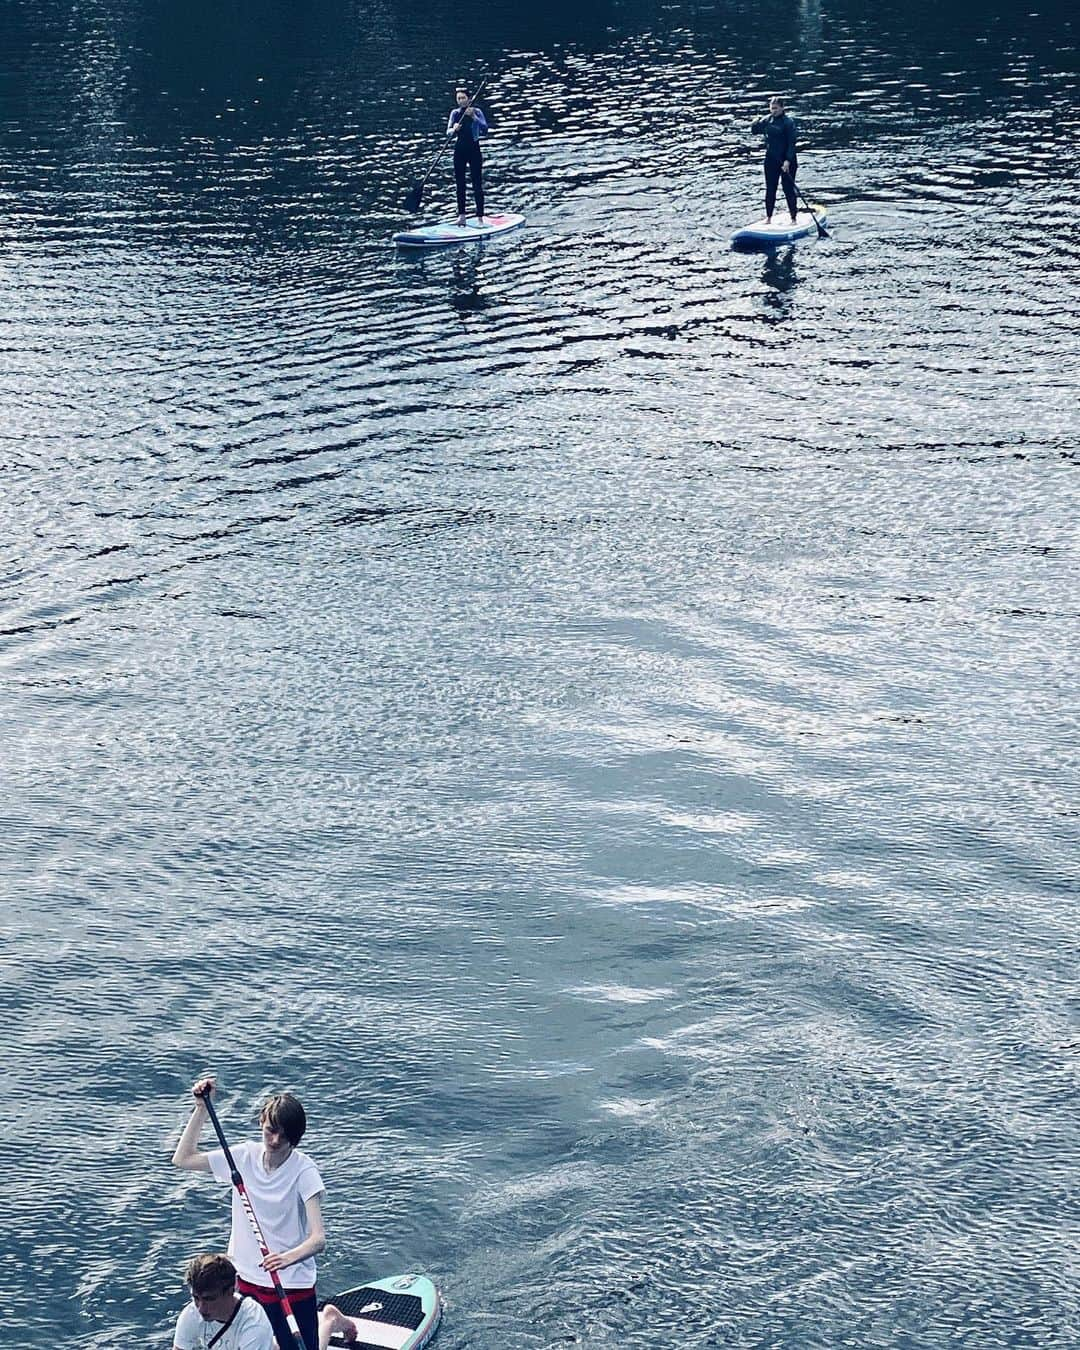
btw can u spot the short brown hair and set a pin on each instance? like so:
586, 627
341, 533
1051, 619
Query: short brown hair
209, 1274
283, 1112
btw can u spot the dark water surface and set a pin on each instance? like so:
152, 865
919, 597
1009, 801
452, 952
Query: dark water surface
596, 714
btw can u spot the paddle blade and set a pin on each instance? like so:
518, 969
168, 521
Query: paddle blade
412, 201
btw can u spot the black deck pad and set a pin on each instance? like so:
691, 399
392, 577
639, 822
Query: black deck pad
400, 1310
339, 1341
354, 1345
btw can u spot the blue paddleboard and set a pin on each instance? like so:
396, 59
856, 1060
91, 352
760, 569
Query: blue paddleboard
782, 230
448, 232
401, 1312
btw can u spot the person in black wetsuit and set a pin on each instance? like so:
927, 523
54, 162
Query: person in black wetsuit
781, 161
467, 124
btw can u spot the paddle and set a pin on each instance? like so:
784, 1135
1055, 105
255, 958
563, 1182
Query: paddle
416, 192
238, 1182
822, 231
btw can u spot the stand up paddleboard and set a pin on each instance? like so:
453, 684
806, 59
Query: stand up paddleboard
401, 1312
448, 232
782, 230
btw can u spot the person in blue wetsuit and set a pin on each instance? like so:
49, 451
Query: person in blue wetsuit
467, 124
781, 161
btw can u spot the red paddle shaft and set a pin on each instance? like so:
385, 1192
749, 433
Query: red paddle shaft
238, 1182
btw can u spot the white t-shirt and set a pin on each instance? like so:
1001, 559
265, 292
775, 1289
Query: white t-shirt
277, 1198
250, 1330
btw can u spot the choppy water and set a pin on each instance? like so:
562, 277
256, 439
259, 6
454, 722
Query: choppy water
595, 714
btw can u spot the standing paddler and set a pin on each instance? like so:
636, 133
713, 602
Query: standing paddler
467, 124
781, 161
284, 1189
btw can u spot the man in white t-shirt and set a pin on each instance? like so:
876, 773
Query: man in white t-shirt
217, 1318
285, 1190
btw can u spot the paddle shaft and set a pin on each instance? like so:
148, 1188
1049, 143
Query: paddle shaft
418, 188
238, 1183
820, 227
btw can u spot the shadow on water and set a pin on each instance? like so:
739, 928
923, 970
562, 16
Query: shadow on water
463, 283
465, 293
779, 275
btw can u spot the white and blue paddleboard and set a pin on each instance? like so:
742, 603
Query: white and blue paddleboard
448, 232
401, 1312
781, 230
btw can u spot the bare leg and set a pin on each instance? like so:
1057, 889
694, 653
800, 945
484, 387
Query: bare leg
332, 1319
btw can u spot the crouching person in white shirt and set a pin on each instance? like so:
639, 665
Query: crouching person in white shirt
218, 1318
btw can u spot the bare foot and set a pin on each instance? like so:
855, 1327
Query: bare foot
333, 1320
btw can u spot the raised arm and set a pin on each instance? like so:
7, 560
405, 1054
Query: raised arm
187, 1155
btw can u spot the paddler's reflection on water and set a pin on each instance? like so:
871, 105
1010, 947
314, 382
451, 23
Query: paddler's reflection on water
778, 273
465, 276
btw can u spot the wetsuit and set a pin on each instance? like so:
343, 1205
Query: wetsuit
467, 155
779, 133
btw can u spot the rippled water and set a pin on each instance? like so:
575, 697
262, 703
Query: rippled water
595, 714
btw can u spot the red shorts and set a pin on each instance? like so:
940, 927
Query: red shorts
265, 1294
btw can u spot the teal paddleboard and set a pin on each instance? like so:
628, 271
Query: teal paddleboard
401, 1312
